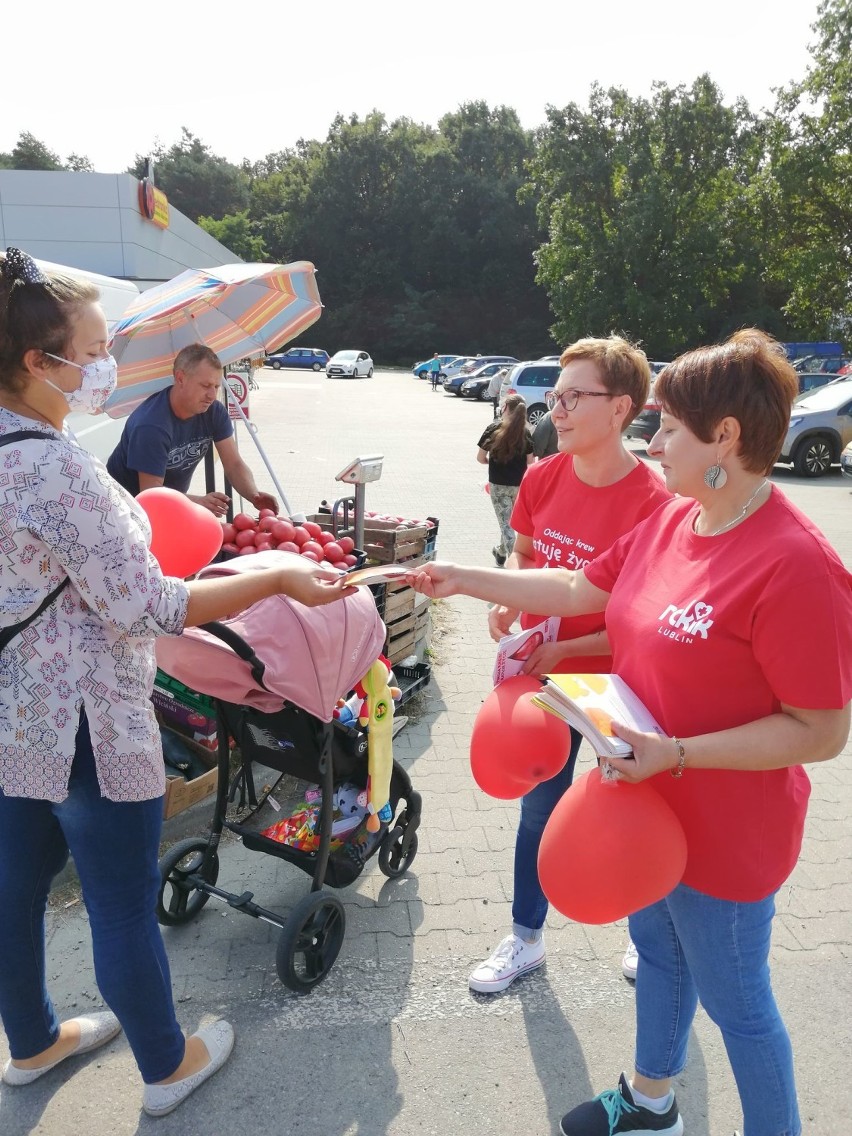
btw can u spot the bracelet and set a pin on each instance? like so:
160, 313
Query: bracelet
681, 758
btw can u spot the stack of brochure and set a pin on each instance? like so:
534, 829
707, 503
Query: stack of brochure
591, 703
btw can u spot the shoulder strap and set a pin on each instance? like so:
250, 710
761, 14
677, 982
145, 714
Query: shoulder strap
7, 634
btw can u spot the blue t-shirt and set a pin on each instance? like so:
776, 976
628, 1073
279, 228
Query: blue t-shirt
157, 442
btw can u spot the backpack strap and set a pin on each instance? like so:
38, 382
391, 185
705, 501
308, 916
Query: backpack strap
7, 634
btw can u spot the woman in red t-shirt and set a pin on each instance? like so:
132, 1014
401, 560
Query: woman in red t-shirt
704, 603
570, 509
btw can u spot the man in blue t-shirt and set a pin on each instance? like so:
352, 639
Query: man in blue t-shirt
166, 437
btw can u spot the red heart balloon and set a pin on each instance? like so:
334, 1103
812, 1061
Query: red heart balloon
185, 536
515, 744
609, 849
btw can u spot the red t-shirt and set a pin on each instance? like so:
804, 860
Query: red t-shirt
570, 523
715, 632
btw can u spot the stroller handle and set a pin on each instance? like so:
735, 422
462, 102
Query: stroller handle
239, 646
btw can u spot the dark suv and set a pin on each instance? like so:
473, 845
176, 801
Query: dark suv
313, 358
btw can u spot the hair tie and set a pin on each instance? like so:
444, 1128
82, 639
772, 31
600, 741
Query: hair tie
20, 268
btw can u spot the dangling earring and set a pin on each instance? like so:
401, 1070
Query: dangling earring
715, 477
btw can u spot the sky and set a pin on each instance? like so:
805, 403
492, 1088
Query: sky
110, 80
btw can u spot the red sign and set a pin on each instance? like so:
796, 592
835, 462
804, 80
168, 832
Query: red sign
238, 385
153, 204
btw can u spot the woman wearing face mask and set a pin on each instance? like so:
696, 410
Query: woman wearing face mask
81, 769
704, 603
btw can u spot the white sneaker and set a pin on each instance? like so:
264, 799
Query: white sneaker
630, 962
514, 957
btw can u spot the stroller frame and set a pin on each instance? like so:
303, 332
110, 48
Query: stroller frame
313, 931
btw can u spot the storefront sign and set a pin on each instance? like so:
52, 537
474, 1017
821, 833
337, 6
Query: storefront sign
153, 204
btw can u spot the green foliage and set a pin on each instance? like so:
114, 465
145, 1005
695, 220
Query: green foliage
196, 181
31, 154
237, 232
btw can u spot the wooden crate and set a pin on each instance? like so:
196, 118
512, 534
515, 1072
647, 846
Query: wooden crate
400, 637
384, 543
399, 603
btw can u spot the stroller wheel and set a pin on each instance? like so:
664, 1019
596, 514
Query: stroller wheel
392, 860
310, 941
179, 899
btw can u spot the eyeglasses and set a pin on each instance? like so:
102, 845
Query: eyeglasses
568, 399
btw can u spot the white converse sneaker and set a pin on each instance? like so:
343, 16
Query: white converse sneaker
514, 957
630, 962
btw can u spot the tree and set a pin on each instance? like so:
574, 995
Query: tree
649, 217
808, 186
237, 233
196, 181
30, 154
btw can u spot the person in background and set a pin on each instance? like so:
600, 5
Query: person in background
435, 371
545, 438
702, 602
570, 508
494, 389
81, 767
165, 438
506, 448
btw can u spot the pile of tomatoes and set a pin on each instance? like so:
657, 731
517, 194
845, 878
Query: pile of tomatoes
245, 535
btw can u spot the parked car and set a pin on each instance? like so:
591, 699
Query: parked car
532, 381
422, 370
353, 363
313, 358
450, 370
846, 461
479, 383
820, 427
822, 364
811, 380
474, 364
455, 384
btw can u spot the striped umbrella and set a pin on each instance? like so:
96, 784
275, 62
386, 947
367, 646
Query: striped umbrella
238, 310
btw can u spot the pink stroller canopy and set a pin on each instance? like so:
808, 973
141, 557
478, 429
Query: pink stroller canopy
312, 655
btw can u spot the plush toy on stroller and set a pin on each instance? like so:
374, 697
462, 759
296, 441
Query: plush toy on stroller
277, 672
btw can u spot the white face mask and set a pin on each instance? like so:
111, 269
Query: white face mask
99, 381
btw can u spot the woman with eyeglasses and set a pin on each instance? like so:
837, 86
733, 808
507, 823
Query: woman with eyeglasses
706, 602
506, 448
571, 507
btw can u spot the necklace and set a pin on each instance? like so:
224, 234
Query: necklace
742, 512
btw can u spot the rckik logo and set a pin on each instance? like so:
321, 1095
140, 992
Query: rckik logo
692, 618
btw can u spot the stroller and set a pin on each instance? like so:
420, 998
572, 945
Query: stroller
276, 672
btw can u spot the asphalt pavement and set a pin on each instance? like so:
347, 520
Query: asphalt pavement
393, 1042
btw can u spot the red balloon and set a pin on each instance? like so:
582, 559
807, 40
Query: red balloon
609, 849
185, 536
515, 744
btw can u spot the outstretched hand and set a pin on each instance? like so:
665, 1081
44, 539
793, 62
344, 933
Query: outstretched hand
312, 585
435, 580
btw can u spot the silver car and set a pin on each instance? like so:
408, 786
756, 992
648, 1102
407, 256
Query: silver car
820, 427
532, 381
352, 363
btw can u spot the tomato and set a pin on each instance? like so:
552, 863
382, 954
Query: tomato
310, 556
346, 543
349, 560
265, 524
282, 530
312, 527
313, 546
228, 533
288, 546
249, 549
230, 547
325, 537
243, 521
266, 513
244, 538
333, 552
301, 535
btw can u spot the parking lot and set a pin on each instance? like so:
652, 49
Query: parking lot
393, 1042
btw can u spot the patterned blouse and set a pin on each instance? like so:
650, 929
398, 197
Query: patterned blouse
61, 514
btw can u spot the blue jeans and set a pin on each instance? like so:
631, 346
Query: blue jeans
529, 906
693, 946
115, 846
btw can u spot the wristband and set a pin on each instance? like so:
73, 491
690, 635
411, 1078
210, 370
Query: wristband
681, 759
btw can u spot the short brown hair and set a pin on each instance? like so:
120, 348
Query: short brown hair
623, 366
191, 356
747, 378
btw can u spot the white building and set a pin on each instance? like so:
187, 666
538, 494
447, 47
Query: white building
102, 223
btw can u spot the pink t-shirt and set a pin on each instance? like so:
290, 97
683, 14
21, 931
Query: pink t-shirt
716, 632
570, 523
